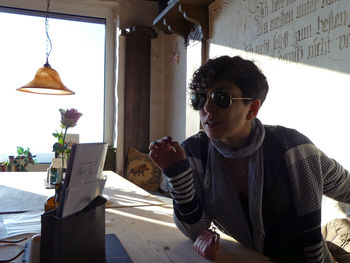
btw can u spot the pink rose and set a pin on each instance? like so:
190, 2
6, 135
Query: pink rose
69, 118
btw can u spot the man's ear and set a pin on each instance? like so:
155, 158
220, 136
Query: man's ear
254, 109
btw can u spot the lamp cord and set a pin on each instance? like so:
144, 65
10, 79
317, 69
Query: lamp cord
48, 40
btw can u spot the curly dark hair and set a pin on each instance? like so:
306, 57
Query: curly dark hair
241, 72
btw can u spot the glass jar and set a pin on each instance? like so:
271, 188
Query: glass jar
52, 202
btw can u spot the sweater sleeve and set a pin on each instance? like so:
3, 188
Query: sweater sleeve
189, 216
336, 180
319, 171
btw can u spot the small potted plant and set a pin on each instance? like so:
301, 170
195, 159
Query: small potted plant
20, 162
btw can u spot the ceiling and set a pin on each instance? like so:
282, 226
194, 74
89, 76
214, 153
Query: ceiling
129, 12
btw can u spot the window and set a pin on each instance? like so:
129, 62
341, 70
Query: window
78, 55
194, 50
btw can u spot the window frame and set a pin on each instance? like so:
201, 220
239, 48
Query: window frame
88, 13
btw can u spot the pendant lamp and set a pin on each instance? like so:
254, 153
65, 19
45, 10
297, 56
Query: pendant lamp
47, 80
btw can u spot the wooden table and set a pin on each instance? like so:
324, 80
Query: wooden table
142, 222
25, 191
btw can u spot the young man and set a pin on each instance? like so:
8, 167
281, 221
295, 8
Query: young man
261, 184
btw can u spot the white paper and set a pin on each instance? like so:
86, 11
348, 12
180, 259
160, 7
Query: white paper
80, 196
84, 180
88, 164
22, 223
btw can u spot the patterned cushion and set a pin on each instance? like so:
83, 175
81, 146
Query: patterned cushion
142, 171
337, 236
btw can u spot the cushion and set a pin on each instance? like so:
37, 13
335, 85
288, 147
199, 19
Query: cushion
141, 170
337, 236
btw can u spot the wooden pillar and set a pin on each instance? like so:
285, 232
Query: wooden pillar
137, 87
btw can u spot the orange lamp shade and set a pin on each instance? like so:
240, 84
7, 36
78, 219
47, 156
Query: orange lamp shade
46, 81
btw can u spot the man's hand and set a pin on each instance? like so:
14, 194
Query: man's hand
165, 152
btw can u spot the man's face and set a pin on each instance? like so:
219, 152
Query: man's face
228, 125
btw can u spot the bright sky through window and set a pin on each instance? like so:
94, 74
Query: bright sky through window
78, 55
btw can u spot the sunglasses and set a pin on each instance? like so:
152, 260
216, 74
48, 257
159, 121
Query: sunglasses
221, 98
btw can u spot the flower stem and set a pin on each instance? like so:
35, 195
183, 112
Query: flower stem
63, 153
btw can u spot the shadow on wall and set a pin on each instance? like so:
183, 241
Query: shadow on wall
310, 32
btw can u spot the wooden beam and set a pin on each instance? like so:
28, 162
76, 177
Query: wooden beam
187, 18
197, 14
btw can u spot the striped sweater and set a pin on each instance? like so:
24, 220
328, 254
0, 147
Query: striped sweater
309, 171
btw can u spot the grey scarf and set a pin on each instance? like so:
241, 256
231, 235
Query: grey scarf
222, 200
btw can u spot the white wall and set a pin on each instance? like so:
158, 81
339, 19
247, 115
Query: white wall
173, 65
175, 87
168, 88
309, 91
